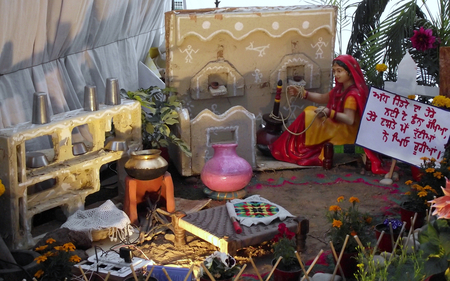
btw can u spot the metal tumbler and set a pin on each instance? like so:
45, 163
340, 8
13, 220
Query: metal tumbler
112, 95
41, 113
90, 98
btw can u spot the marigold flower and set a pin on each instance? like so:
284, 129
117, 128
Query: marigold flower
2, 188
381, 67
75, 259
368, 220
340, 199
337, 223
353, 233
50, 241
59, 248
422, 193
39, 273
430, 170
40, 259
408, 193
69, 247
412, 97
438, 175
43, 247
424, 158
334, 208
353, 199
408, 182
423, 39
427, 187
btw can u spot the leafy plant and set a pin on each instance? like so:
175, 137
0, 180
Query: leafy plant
56, 261
435, 244
348, 221
374, 41
159, 114
284, 246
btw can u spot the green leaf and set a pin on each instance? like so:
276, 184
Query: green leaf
149, 128
164, 129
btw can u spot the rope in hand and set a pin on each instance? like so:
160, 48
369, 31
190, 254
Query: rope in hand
301, 93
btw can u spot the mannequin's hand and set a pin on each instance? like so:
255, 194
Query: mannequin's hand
322, 111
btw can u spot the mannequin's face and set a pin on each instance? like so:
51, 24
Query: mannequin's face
341, 75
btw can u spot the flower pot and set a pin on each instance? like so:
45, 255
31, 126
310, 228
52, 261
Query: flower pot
25, 259
226, 171
406, 213
349, 264
386, 241
286, 275
146, 164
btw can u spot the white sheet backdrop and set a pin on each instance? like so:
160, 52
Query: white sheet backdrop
59, 46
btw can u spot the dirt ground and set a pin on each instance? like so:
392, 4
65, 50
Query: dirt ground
303, 192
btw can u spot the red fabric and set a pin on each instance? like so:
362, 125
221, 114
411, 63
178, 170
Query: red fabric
291, 148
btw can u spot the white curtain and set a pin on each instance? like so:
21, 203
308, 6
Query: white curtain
59, 46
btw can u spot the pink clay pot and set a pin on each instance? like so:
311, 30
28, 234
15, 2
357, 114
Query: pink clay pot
226, 171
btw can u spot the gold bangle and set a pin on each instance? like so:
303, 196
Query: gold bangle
305, 95
333, 114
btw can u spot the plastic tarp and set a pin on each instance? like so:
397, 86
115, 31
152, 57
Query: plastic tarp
59, 47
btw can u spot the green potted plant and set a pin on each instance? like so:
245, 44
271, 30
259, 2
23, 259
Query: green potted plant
348, 220
284, 246
435, 238
220, 265
159, 114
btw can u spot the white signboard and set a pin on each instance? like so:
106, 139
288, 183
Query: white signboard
403, 129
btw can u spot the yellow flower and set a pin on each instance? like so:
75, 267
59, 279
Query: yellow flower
59, 248
412, 97
335, 208
437, 175
50, 241
408, 193
340, 199
427, 187
360, 265
424, 158
69, 247
41, 248
430, 170
353, 199
39, 273
2, 188
40, 259
433, 159
381, 67
75, 259
408, 182
337, 223
422, 194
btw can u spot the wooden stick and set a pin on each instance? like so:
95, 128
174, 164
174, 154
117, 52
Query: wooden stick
107, 276
82, 273
391, 170
167, 274
273, 268
240, 272
378, 242
398, 240
149, 273
314, 261
392, 234
208, 273
301, 265
360, 244
340, 257
134, 273
333, 250
256, 269
189, 272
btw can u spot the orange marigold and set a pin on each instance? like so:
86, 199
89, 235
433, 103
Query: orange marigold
353, 233
75, 259
438, 175
424, 158
408, 193
43, 247
408, 182
430, 170
340, 199
40, 259
368, 220
39, 273
335, 208
69, 247
353, 199
337, 223
422, 193
50, 241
